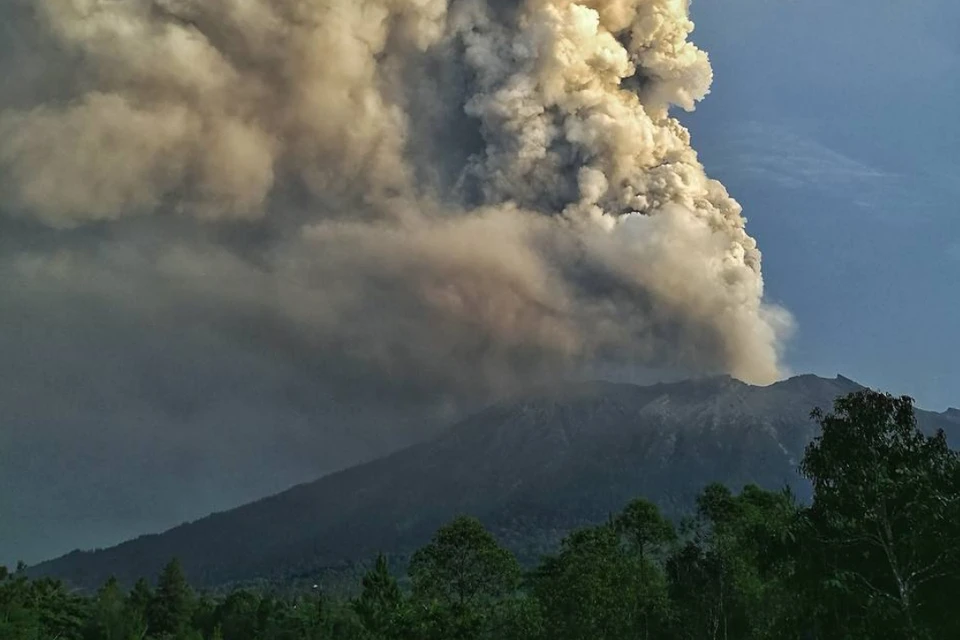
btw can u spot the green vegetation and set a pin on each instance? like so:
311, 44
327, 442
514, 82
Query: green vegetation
876, 555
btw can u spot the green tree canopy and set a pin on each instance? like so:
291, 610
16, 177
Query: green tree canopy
463, 565
885, 519
645, 527
381, 600
172, 605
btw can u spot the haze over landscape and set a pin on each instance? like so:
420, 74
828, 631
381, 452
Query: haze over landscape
248, 244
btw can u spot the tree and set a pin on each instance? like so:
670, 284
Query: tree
463, 565
109, 620
136, 607
380, 601
644, 526
18, 619
600, 587
139, 598
648, 535
462, 580
237, 615
172, 605
204, 617
885, 517
731, 578
697, 592
32, 609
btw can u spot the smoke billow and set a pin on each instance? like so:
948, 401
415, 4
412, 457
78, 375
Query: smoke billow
456, 195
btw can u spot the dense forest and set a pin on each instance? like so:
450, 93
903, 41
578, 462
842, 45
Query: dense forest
875, 554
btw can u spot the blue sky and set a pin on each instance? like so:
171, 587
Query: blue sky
834, 125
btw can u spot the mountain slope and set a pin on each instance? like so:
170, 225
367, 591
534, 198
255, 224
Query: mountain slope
531, 468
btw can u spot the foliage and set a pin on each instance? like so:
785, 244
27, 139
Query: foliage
170, 610
600, 587
464, 566
380, 605
876, 555
883, 532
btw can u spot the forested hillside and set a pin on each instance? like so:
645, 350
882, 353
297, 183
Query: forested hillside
874, 555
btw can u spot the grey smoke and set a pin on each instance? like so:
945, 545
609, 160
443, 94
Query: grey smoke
387, 204
580, 225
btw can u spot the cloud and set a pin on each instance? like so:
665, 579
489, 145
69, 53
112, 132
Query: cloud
777, 154
417, 205
215, 111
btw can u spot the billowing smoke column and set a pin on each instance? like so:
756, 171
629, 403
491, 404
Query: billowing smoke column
472, 193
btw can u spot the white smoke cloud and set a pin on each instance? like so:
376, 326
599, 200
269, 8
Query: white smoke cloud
474, 193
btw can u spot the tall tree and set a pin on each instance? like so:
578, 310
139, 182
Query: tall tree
380, 601
172, 604
109, 620
464, 565
645, 527
698, 592
731, 577
18, 619
137, 606
462, 580
885, 517
599, 587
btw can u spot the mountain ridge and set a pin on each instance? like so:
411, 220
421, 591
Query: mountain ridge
532, 468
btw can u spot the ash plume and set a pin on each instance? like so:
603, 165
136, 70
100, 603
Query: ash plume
460, 196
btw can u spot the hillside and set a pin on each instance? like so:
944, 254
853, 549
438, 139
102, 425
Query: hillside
531, 468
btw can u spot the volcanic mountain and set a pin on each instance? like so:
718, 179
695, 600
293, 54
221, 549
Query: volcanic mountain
531, 469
